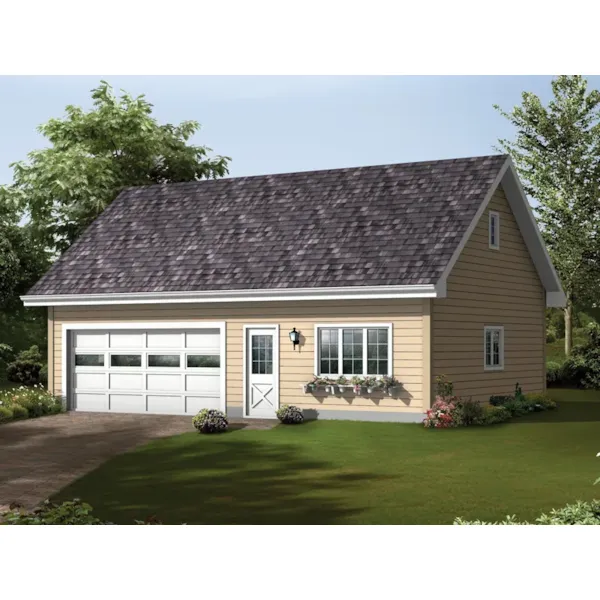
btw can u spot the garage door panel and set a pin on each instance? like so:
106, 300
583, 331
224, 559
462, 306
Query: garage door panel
209, 384
85, 340
163, 382
129, 403
160, 371
126, 339
208, 339
166, 405
91, 402
163, 339
126, 381
194, 404
89, 381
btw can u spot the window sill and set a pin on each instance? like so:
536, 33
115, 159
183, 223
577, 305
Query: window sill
493, 368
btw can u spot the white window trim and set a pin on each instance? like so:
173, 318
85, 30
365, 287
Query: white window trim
499, 367
317, 345
496, 215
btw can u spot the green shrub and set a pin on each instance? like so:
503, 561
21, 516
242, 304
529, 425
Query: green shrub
33, 355
26, 369
36, 400
518, 407
24, 372
492, 415
543, 401
210, 421
443, 386
468, 412
290, 415
19, 412
6, 414
580, 513
73, 512
44, 375
553, 373
573, 372
550, 336
500, 400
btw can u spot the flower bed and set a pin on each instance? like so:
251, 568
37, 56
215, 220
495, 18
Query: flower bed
28, 402
449, 410
357, 385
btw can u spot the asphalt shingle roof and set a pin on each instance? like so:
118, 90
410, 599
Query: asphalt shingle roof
383, 225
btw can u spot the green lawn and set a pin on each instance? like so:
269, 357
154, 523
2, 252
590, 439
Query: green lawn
352, 472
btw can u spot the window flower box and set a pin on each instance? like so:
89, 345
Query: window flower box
358, 385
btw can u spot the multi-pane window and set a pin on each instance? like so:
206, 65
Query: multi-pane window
262, 354
493, 348
352, 351
329, 351
363, 351
494, 230
377, 351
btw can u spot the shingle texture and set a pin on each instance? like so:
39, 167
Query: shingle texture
384, 225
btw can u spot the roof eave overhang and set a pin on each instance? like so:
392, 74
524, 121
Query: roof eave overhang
269, 295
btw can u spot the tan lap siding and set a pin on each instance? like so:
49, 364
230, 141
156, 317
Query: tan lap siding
491, 287
296, 367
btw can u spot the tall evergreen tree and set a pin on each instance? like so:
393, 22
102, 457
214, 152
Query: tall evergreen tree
557, 154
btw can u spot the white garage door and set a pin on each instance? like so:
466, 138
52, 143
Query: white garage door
175, 372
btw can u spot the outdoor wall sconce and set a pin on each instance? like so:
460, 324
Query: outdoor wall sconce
294, 337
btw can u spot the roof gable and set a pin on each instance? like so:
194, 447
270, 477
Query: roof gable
392, 225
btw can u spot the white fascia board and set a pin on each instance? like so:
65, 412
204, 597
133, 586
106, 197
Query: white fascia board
271, 295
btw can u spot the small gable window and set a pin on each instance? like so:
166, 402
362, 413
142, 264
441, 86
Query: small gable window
494, 230
493, 348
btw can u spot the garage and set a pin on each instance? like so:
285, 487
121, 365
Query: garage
175, 371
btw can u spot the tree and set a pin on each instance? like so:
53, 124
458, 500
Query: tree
557, 155
93, 155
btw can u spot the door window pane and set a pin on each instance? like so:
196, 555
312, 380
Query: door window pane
125, 360
204, 361
164, 360
262, 354
377, 351
89, 360
328, 351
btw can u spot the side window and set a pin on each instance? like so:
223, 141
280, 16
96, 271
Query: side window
493, 348
494, 230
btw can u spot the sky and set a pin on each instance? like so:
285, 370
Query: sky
277, 124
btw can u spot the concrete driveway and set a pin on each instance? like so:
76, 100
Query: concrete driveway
38, 457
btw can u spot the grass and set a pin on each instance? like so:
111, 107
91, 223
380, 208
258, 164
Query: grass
352, 472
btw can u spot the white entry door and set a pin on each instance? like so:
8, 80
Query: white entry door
262, 372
